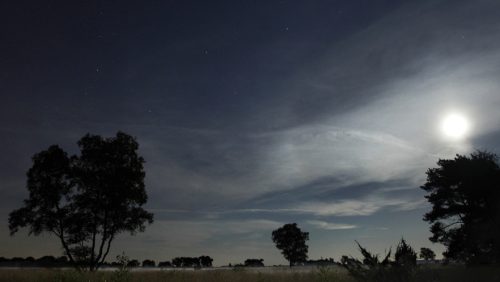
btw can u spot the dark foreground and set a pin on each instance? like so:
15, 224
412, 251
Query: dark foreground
321, 274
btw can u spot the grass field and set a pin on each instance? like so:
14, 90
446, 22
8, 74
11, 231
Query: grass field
449, 273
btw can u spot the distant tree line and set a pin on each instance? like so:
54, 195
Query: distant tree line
62, 261
44, 261
251, 262
196, 262
254, 262
321, 262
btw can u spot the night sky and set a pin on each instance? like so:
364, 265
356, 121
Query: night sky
253, 114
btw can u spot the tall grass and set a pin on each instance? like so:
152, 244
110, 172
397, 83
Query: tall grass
240, 275
173, 276
423, 273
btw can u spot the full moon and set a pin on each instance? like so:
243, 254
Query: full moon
455, 126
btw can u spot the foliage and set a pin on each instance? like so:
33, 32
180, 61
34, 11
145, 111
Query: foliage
371, 268
254, 262
202, 261
292, 243
164, 264
148, 263
465, 216
427, 254
322, 261
405, 256
324, 273
133, 263
122, 273
44, 261
205, 261
86, 200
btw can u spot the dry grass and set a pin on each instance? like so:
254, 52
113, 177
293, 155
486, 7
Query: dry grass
45, 275
427, 274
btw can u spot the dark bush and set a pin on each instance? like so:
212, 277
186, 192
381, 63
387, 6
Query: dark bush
372, 268
254, 262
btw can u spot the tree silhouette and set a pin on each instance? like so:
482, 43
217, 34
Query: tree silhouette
86, 200
206, 261
405, 255
465, 216
427, 254
148, 263
321, 262
133, 263
165, 264
177, 262
254, 262
371, 268
191, 261
292, 243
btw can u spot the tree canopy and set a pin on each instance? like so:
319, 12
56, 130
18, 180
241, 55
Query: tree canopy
292, 243
86, 200
202, 261
254, 262
465, 194
427, 254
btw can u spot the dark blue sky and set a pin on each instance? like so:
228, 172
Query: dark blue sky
252, 114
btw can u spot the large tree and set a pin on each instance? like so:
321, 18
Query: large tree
86, 200
465, 216
292, 243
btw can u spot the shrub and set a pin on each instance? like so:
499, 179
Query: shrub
371, 268
405, 256
122, 273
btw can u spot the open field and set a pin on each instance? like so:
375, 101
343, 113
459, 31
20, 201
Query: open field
440, 273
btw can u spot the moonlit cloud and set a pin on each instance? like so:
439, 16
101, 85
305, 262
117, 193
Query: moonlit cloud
362, 207
330, 226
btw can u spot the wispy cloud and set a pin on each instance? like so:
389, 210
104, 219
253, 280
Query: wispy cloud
330, 226
360, 207
348, 207
344, 208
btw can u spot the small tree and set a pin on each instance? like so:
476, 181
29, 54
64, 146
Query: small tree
371, 268
292, 243
254, 262
122, 272
86, 200
177, 262
188, 261
165, 264
133, 263
205, 261
405, 255
427, 254
148, 263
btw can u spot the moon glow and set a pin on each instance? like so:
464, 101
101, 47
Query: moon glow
455, 126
